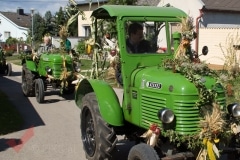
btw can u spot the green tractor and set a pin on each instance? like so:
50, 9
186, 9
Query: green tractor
5, 68
52, 70
172, 108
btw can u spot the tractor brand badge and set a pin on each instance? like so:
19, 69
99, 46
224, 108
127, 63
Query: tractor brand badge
154, 85
134, 94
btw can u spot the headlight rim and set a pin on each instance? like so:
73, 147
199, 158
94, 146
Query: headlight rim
162, 113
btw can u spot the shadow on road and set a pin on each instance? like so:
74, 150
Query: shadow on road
67, 97
16, 74
7, 143
14, 92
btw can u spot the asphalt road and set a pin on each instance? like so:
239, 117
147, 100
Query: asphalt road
51, 130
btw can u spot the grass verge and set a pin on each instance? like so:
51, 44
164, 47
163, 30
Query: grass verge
14, 59
10, 118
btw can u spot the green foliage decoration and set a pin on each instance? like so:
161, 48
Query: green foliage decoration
195, 73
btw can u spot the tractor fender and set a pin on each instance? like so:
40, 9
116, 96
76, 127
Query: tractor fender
109, 106
31, 66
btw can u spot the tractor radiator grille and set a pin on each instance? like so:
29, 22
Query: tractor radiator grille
186, 114
149, 107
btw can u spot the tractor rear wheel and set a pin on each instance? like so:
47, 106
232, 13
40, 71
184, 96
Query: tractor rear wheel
98, 137
142, 151
27, 82
39, 90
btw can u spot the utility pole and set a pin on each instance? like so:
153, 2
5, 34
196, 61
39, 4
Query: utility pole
32, 13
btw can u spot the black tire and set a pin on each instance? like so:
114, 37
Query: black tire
39, 90
9, 69
27, 82
142, 151
99, 139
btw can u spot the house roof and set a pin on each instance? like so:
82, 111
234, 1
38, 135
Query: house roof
148, 2
19, 18
222, 5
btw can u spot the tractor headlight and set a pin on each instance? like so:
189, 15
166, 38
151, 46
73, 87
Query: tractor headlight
234, 109
48, 70
166, 115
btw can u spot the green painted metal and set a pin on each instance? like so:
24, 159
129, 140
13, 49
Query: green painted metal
176, 93
55, 62
108, 102
31, 65
107, 11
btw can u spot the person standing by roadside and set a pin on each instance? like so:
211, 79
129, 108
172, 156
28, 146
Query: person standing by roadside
68, 45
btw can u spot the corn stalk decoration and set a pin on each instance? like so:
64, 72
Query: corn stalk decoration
100, 51
63, 33
188, 35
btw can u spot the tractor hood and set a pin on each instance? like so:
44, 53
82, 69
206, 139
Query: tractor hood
57, 58
55, 64
157, 79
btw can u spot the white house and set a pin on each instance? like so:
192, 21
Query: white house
84, 25
14, 25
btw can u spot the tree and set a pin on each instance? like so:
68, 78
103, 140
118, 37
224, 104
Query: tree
60, 18
50, 24
11, 41
38, 28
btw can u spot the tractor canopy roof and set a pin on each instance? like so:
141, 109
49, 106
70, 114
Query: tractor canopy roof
110, 11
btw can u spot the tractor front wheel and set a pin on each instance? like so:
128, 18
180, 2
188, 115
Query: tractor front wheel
27, 81
39, 90
142, 151
98, 137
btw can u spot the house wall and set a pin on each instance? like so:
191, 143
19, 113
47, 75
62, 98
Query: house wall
83, 23
15, 31
190, 7
213, 38
87, 22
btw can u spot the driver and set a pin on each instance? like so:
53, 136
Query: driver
136, 42
47, 46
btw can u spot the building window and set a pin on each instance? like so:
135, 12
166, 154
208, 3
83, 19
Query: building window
7, 35
87, 30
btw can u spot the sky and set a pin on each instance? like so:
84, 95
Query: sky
40, 6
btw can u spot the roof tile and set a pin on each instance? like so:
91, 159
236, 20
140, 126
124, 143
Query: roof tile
22, 20
223, 5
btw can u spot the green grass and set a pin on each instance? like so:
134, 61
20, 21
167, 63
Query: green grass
14, 59
86, 64
10, 118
